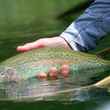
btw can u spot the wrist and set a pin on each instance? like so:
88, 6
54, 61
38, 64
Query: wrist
64, 43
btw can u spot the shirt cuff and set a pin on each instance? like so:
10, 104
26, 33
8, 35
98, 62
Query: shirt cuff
70, 39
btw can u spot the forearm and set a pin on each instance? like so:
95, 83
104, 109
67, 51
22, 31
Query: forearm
92, 25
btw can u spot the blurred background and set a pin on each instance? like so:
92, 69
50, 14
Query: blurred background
24, 21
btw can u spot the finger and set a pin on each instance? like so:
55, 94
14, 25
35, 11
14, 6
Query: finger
65, 70
53, 73
23, 48
42, 76
30, 46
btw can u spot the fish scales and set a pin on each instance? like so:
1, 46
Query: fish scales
21, 70
28, 64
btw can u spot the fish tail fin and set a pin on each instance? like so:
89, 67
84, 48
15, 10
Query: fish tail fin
105, 83
104, 53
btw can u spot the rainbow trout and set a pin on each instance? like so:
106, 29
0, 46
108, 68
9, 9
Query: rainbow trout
18, 79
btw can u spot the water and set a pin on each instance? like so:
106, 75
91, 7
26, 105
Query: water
88, 105
27, 20
24, 21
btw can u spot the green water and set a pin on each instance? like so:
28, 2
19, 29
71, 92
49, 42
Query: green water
88, 105
46, 106
27, 20
24, 21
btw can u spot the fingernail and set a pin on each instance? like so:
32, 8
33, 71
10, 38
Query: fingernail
53, 73
22, 49
65, 70
41, 76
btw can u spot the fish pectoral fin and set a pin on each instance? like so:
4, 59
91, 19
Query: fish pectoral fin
105, 83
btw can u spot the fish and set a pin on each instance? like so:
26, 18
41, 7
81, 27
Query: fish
18, 74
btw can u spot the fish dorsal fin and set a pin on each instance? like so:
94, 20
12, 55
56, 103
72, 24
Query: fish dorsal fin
105, 83
104, 53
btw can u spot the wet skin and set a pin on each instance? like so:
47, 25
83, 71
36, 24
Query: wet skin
52, 43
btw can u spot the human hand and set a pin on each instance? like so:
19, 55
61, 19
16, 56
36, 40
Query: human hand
52, 43
44, 42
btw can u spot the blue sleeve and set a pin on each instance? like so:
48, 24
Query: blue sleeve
92, 25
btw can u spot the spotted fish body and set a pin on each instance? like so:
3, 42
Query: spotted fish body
18, 74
